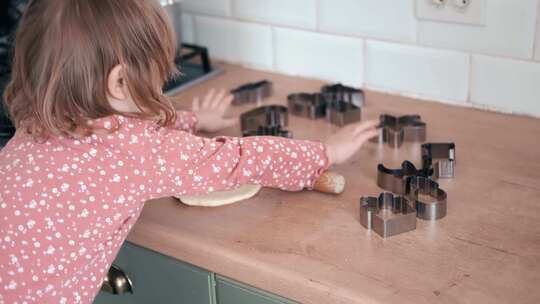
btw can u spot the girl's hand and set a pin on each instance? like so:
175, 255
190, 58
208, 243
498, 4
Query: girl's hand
347, 141
210, 113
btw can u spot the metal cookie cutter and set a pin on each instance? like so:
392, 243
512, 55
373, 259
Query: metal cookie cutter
252, 92
308, 105
265, 116
268, 131
387, 215
429, 199
397, 180
341, 113
396, 130
266, 120
344, 93
441, 157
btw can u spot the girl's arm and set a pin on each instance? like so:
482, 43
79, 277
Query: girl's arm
180, 163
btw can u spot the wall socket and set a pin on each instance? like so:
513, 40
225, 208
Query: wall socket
471, 12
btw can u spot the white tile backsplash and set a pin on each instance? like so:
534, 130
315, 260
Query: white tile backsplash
210, 7
509, 31
328, 57
385, 19
430, 73
506, 84
188, 28
297, 13
235, 41
381, 45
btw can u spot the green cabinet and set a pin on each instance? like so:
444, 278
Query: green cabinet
231, 292
159, 279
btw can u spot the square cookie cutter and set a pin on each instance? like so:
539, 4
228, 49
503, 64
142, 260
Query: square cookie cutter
441, 157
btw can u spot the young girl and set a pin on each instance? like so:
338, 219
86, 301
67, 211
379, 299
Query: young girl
96, 139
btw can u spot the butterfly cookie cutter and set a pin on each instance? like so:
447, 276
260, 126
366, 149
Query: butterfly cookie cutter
417, 185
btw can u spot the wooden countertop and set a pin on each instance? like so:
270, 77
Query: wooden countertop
310, 247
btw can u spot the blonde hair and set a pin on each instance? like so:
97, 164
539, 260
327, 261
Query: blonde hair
64, 51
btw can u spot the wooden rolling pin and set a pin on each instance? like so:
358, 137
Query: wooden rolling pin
330, 182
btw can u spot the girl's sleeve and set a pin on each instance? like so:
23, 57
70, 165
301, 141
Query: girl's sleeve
181, 163
186, 121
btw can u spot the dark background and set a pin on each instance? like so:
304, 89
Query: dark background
10, 13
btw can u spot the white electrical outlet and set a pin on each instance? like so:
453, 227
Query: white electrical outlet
471, 12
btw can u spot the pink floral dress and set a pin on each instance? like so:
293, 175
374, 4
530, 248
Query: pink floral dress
66, 206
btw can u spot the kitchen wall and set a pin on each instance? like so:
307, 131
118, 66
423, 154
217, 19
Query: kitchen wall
381, 45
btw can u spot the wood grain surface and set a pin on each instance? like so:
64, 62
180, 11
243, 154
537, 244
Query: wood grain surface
310, 247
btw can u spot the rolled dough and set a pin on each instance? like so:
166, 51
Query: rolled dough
216, 199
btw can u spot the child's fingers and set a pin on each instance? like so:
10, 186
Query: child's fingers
208, 98
365, 126
218, 99
367, 135
195, 106
224, 105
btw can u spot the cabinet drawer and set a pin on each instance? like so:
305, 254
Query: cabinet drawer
231, 292
159, 279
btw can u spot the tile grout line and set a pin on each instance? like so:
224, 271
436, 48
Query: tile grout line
317, 15
365, 62
470, 80
536, 41
274, 49
417, 23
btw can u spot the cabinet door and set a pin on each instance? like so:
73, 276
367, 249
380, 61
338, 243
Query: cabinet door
159, 279
231, 292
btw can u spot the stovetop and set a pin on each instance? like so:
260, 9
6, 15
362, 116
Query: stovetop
194, 66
